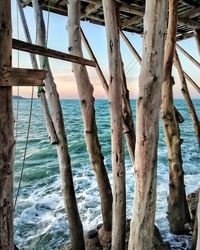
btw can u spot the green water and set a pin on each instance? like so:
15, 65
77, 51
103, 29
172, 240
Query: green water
40, 220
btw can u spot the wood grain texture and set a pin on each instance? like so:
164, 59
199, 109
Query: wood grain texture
6, 131
147, 126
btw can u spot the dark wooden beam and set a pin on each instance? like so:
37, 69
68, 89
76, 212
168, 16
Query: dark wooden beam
23, 77
35, 49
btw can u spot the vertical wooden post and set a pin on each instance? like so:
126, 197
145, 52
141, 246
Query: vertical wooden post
115, 98
6, 131
85, 91
178, 213
128, 123
197, 37
41, 93
147, 126
187, 97
75, 225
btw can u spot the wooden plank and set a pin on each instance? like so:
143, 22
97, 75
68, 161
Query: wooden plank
35, 49
22, 77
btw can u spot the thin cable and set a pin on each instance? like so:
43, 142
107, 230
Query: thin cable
48, 20
17, 108
25, 149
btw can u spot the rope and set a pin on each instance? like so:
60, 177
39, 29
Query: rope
17, 108
25, 149
40, 89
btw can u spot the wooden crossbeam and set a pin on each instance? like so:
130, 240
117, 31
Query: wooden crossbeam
35, 49
90, 8
22, 77
192, 59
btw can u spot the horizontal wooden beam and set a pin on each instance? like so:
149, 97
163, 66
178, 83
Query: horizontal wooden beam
22, 77
35, 49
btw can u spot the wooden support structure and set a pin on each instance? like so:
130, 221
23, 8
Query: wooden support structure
139, 60
187, 97
41, 93
115, 99
6, 131
197, 37
85, 91
40, 50
188, 55
75, 225
128, 124
132, 49
178, 213
22, 77
147, 126
192, 82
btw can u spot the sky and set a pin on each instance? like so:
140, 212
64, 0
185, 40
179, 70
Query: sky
62, 71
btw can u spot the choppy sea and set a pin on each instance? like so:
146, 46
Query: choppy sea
40, 221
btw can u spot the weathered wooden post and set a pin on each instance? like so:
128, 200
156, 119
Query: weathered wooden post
85, 91
147, 126
187, 97
41, 92
75, 225
197, 37
115, 98
128, 123
178, 213
6, 131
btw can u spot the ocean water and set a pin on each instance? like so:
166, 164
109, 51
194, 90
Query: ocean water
40, 219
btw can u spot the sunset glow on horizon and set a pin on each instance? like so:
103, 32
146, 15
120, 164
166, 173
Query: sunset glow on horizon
62, 71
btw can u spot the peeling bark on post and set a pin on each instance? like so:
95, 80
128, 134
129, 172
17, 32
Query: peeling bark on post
48, 120
187, 97
147, 126
128, 123
115, 98
75, 225
6, 131
178, 213
197, 37
85, 91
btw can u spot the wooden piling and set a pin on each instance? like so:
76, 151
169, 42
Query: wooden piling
75, 225
48, 120
147, 126
85, 91
186, 94
178, 213
115, 98
128, 124
6, 131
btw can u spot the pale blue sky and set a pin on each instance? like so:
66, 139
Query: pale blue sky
57, 39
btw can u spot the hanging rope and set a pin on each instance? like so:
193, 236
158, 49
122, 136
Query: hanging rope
40, 89
17, 108
25, 149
